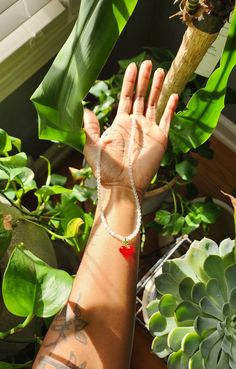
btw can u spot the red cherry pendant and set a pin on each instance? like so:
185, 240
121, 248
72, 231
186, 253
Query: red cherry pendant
127, 250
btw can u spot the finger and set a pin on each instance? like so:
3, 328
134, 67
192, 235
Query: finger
91, 127
157, 83
127, 91
168, 113
142, 86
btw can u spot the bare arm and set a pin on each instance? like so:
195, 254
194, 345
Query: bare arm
95, 329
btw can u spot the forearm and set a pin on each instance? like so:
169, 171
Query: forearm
98, 326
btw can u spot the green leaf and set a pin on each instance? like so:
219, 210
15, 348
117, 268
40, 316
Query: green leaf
30, 286
214, 292
82, 193
178, 360
207, 211
178, 269
192, 220
16, 142
166, 284
190, 343
186, 311
167, 305
187, 168
185, 288
232, 357
52, 190
214, 267
198, 292
157, 323
175, 225
52, 289
5, 141
18, 286
5, 233
208, 343
205, 324
152, 307
230, 274
80, 174
76, 67
209, 307
223, 362
73, 228
14, 161
162, 217
70, 210
196, 361
197, 254
226, 247
159, 346
99, 88
212, 358
57, 179
4, 365
25, 178
232, 300
193, 126
176, 336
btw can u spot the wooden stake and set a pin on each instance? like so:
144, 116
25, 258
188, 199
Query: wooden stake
194, 45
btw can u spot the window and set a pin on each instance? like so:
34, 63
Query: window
31, 32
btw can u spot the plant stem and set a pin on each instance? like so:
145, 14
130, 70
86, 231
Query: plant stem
46, 229
17, 328
174, 200
20, 366
13, 204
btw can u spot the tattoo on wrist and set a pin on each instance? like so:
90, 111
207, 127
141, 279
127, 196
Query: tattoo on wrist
64, 325
54, 361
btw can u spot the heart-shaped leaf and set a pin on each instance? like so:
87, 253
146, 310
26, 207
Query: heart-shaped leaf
31, 286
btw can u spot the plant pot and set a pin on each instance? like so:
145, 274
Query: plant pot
37, 241
154, 198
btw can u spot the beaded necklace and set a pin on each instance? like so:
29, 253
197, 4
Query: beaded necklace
125, 249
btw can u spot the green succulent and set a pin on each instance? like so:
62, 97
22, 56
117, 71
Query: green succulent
193, 318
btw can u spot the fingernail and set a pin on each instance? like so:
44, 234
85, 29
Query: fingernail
160, 70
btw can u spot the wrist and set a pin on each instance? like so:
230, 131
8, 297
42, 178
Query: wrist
117, 193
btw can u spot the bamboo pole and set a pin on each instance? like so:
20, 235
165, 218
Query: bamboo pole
194, 45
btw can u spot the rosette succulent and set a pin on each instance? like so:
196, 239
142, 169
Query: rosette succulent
193, 318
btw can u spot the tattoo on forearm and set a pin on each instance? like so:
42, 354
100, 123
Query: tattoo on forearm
54, 361
64, 326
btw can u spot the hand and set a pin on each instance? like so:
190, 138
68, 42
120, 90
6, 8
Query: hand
150, 138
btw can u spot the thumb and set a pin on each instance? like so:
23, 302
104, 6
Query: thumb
91, 127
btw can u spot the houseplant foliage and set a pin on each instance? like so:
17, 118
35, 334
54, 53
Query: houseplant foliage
76, 67
85, 52
196, 123
31, 284
194, 317
204, 19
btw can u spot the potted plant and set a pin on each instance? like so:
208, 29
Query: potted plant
193, 315
26, 248
90, 46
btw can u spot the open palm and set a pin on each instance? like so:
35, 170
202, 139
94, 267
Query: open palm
150, 139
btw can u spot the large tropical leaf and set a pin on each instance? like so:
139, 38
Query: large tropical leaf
194, 125
59, 97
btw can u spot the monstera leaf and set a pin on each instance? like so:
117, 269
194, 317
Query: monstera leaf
59, 98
